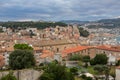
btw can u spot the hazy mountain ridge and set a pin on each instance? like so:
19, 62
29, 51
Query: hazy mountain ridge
103, 23
74, 21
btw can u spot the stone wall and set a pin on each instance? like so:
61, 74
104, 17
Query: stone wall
117, 74
26, 74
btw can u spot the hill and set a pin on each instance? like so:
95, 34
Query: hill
74, 22
105, 23
39, 25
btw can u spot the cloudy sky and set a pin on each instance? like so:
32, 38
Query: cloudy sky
56, 10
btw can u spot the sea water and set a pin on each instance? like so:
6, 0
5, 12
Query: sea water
118, 39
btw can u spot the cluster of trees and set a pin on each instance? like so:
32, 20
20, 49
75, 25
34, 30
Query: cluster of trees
22, 47
98, 63
102, 69
83, 32
86, 60
84, 77
54, 71
39, 25
75, 57
1, 30
22, 57
99, 59
118, 63
74, 70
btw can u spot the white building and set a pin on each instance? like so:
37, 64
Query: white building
111, 60
58, 57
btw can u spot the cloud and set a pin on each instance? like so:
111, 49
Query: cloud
58, 9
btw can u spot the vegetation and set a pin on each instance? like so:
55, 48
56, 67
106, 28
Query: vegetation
31, 33
1, 30
9, 76
74, 70
118, 63
99, 68
112, 71
99, 59
55, 71
39, 25
23, 47
103, 69
46, 76
86, 59
75, 57
91, 70
20, 59
83, 32
84, 77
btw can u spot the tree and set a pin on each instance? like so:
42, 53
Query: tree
99, 68
74, 70
83, 32
84, 77
1, 30
103, 69
75, 57
23, 47
113, 72
39, 25
31, 33
20, 59
106, 72
46, 76
100, 59
9, 76
118, 63
86, 59
57, 72
92, 62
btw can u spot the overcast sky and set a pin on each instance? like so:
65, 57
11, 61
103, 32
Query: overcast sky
56, 10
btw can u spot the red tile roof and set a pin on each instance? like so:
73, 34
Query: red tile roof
2, 62
46, 53
1, 57
109, 48
118, 67
75, 49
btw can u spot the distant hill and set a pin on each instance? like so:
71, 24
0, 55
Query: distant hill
105, 23
115, 22
39, 25
74, 22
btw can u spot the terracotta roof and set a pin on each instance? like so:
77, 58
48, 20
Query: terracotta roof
2, 61
36, 48
1, 57
118, 58
109, 48
118, 67
75, 49
46, 53
10, 49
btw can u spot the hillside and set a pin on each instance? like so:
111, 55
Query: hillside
39, 25
105, 23
74, 22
